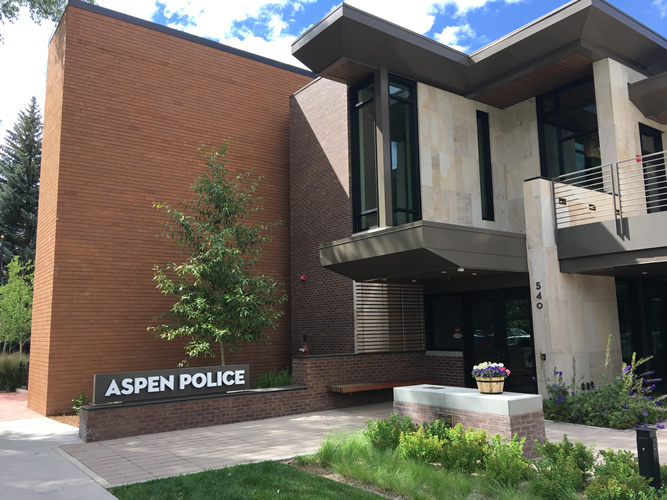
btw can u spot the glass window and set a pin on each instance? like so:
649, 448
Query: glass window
445, 322
485, 177
364, 165
404, 164
569, 139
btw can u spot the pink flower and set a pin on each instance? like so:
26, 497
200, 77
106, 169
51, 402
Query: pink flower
508, 373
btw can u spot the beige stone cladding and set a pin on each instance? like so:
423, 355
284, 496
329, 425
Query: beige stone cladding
618, 125
449, 159
578, 312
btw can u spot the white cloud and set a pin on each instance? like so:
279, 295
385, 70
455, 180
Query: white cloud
23, 55
661, 5
452, 35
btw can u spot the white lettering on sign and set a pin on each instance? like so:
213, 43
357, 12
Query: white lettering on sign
132, 386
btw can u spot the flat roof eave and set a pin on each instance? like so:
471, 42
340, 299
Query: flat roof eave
350, 43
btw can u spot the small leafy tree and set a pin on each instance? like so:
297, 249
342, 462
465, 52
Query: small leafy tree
16, 304
220, 299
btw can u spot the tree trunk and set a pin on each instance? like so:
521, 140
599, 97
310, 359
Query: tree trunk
222, 353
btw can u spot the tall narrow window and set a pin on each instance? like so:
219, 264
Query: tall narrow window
404, 163
364, 168
569, 139
485, 177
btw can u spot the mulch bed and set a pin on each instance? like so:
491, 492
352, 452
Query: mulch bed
72, 420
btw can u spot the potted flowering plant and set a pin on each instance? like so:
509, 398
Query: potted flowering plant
490, 377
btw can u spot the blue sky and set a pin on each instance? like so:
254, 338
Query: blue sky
269, 27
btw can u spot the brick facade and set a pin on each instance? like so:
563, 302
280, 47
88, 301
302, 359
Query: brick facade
320, 194
528, 425
312, 373
127, 107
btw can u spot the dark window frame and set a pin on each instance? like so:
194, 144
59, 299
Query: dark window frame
357, 214
560, 139
414, 153
485, 166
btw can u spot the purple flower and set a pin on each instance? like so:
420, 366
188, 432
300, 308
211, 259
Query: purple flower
660, 426
560, 399
645, 425
659, 403
625, 407
626, 368
645, 413
572, 393
560, 374
533, 379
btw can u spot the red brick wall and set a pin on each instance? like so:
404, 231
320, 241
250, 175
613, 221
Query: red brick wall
126, 109
447, 370
313, 372
321, 211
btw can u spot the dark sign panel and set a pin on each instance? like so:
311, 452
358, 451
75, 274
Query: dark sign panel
164, 384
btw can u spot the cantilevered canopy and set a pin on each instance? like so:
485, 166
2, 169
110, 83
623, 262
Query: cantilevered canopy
423, 247
650, 96
555, 49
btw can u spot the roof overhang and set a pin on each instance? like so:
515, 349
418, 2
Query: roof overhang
650, 97
557, 48
423, 247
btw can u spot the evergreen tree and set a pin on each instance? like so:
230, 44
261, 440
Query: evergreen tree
20, 161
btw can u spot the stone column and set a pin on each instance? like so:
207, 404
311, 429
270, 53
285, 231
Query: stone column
573, 314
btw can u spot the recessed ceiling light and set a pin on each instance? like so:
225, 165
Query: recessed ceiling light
461, 269
474, 274
443, 272
644, 272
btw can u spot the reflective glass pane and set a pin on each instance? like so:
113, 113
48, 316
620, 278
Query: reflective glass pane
581, 152
365, 93
403, 185
446, 323
367, 165
400, 90
578, 114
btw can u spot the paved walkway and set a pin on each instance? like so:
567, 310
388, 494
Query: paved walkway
13, 406
41, 458
141, 458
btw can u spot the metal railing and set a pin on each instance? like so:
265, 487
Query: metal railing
611, 192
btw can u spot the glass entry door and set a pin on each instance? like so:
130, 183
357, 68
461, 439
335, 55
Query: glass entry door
487, 326
502, 332
655, 181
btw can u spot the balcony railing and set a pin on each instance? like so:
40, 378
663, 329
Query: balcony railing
611, 192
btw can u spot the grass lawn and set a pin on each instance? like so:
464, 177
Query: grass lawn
253, 481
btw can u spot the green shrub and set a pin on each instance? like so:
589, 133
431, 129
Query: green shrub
464, 450
385, 434
79, 401
437, 428
623, 402
562, 467
505, 463
419, 445
617, 477
10, 373
273, 378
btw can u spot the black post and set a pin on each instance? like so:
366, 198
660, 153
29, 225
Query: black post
647, 452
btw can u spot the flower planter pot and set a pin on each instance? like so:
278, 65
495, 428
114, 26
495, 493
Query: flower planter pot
491, 385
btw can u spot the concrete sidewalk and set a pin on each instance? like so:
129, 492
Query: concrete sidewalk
33, 467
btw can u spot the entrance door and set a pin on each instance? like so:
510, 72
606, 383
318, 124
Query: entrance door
655, 181
486, 326
502, 332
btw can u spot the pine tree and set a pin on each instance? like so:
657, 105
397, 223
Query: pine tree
20, 161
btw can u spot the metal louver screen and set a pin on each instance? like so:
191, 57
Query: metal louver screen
389, 317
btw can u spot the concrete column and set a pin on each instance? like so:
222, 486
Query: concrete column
573, 314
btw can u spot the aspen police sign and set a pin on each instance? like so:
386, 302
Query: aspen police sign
166, 384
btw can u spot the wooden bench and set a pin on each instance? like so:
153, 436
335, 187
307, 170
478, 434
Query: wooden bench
373, 386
